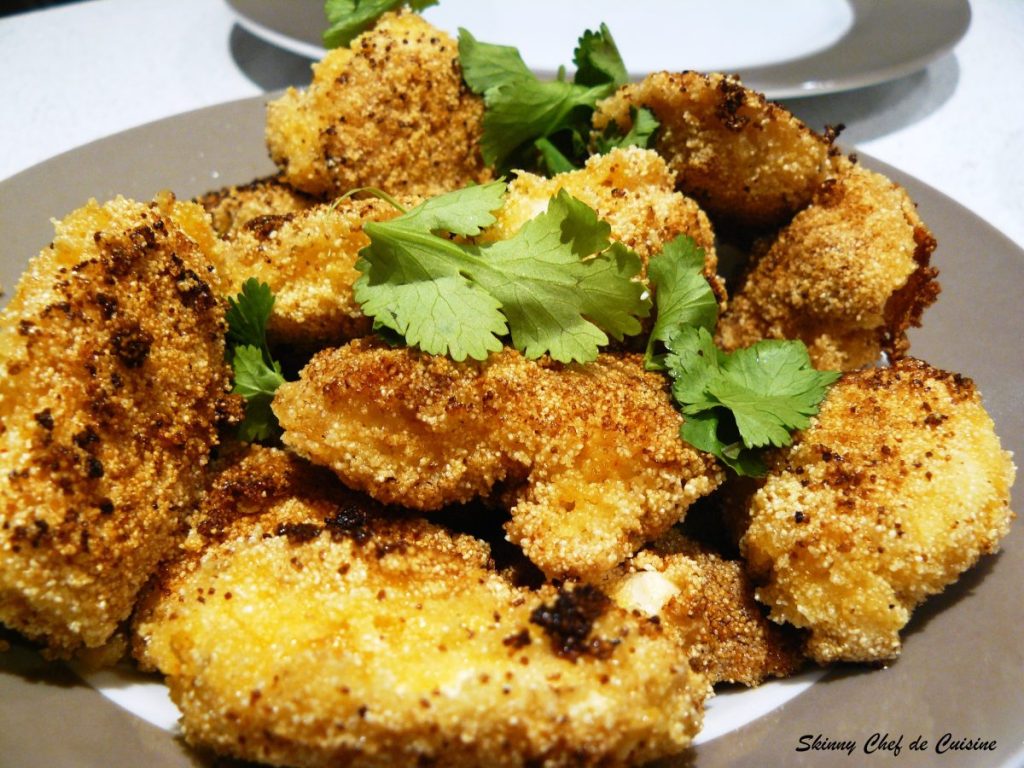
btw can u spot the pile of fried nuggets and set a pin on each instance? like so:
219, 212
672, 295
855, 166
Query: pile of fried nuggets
327, 603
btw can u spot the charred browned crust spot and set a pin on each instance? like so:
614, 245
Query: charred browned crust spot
349, 521
255, 481
517, 641
231, 208
264, 226
299, 533
732, 95
569, 620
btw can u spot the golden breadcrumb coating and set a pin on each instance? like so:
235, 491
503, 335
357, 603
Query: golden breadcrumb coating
632, 189
707, 603
389, 112
848, 276
746, 160
114, 378
308, 259
232, 208
897, 487
311, 630
588, 456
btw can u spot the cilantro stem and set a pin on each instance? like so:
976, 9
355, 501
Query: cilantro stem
378, 193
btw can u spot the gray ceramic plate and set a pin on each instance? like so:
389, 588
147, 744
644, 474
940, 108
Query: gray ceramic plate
962, 669
862, 43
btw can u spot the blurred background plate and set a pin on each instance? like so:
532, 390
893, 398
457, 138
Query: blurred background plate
784, 48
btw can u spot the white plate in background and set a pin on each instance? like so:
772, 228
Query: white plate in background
784, 48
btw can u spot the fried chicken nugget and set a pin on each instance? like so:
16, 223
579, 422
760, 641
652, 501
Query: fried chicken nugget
391, 112
897, 487
304, 628
308, 259
848, 276
114, 378
232, 208
589, 456
746, 160
707, 603
632, 189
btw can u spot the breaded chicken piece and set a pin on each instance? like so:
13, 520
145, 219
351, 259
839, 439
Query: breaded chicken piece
632, 189
305, 628
707, 603
114, 379
848, 276
391, 112
588, 457
308, 259
232, 208
897, 487
747, 161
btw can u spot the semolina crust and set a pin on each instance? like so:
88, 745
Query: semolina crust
290, 638
588, 457
747, 161
898, 486
390, 112
848, 276
308, 258
114, 381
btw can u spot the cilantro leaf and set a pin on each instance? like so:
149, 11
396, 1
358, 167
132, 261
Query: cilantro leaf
348, 18
463, 212
254, 377
557, 286
552, 158
693, 362
771, 389
486, 66
248, 314
682, 296
558, 298
735, 403
257, 374
598, 61
640, 134
521, 109
525, 110
715, 432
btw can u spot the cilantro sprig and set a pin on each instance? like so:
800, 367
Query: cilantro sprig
257, 374
734, 404
349, 18
545, 124
559, 286
682, 298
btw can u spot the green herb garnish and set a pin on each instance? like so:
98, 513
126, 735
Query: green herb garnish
640, 134
557, 287
543, 123
682, 296
257, 374
735, 403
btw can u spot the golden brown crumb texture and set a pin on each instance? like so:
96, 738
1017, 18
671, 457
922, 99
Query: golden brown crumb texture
113, 356
391, 112
588, 457
897, 487
313, 631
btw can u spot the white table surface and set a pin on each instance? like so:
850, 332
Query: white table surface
83, 71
